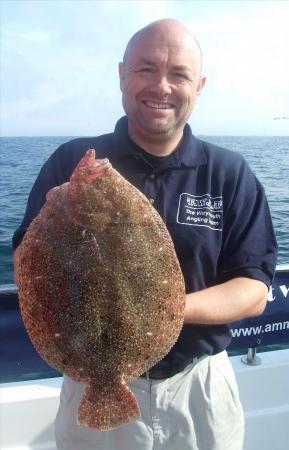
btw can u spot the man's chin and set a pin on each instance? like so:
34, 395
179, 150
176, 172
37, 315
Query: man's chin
159, 128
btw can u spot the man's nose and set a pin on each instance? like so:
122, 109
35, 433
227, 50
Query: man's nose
162, 86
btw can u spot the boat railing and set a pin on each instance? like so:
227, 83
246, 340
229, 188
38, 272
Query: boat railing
269, 329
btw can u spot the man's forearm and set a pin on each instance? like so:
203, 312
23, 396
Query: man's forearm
226, 302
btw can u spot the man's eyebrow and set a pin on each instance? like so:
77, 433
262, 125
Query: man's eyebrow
182, 68
145, 61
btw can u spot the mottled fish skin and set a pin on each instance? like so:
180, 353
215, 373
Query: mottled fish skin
101, 291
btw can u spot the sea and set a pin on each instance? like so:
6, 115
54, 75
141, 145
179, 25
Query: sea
22, 157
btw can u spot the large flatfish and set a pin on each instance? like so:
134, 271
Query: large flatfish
101, 291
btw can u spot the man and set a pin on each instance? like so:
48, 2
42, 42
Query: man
217, 214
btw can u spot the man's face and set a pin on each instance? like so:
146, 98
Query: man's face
160, 82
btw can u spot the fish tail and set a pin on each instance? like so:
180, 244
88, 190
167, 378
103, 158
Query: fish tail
106, 409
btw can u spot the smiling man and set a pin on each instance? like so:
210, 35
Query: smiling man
217, 214
160, 84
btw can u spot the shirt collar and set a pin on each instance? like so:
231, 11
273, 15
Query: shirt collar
190, 152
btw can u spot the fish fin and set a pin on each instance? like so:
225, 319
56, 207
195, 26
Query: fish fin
89, 169
106, 409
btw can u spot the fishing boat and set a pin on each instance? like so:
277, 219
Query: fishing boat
259, 352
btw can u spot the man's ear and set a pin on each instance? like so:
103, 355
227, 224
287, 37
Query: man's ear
121, 75
201, 84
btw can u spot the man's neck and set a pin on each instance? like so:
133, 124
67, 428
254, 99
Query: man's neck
156, 144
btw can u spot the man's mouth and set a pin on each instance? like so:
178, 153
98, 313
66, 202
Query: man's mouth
155, 105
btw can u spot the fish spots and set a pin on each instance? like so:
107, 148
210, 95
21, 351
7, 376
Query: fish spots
113, 296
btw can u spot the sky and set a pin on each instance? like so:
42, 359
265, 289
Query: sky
59, 62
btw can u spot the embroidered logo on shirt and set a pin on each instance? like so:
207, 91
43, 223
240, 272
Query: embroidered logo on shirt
201, 211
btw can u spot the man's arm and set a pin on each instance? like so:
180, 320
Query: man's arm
228, 302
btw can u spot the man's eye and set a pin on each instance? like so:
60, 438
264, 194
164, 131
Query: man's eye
146, 69
180, 75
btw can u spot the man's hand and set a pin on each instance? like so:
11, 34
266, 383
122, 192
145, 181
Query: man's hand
227, 302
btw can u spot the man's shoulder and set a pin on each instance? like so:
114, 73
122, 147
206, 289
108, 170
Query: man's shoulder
221, 155
102, 144
223, 159
67, 155
227, 166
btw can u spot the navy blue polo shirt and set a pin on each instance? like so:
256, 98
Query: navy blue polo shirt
212, 204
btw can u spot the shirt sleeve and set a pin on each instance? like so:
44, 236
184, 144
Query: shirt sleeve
53, 173
249, 243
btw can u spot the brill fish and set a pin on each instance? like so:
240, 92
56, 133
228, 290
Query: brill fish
100, 288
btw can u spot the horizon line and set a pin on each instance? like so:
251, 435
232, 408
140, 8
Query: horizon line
96, 135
